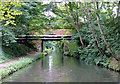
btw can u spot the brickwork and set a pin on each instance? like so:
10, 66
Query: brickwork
53, 32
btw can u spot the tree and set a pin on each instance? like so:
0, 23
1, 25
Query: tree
8, 11
92, 30
102, 34
68, 14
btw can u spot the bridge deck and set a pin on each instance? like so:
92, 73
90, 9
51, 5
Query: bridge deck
44, 37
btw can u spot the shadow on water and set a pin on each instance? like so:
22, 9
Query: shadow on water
56, 68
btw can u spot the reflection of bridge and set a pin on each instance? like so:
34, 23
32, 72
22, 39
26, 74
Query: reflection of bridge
44, 38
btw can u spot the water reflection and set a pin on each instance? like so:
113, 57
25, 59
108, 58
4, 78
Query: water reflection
56, 68
50, 63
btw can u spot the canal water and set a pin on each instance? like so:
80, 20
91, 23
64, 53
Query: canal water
56, 68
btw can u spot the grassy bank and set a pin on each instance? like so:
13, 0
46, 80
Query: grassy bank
13, 50
23, 62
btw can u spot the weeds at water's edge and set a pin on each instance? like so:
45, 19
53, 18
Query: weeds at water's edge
23, 62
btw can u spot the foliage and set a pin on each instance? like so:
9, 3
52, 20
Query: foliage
83, 17
71, 47
9, 34
47, 45
14, 50
86, 24
28, 16
8, 11
17, 23
47, 50
90, 54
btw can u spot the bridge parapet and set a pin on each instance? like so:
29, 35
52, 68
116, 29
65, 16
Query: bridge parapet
44, 37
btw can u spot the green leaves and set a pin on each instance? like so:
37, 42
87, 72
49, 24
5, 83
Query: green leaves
8, 12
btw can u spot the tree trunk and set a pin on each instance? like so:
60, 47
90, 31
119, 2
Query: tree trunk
76, 26
103, 36
93, 33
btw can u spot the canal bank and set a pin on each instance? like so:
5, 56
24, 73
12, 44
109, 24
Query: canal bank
56, 68
18, 64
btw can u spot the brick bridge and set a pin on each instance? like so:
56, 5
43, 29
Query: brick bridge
53, 35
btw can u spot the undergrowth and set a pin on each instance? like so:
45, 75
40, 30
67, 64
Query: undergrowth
14, 50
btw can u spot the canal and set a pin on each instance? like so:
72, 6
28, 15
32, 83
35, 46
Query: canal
56, 68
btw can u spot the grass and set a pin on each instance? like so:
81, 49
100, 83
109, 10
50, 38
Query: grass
23, 62
12, 51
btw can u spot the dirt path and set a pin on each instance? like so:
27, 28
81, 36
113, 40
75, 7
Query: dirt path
16, 59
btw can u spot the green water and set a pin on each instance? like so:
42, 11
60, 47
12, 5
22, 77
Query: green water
56, 68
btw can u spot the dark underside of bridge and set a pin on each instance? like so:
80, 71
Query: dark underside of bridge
44, 37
